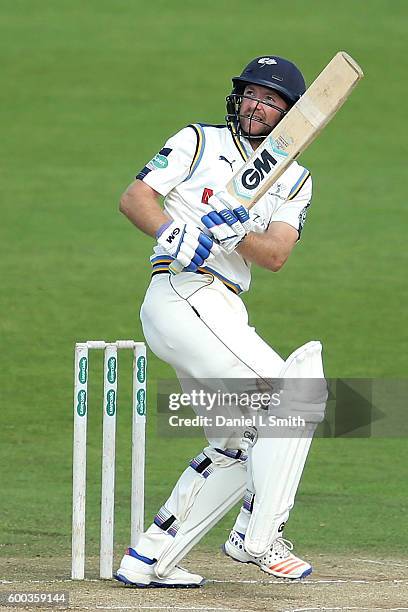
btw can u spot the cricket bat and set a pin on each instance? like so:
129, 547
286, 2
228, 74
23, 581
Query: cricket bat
298, 128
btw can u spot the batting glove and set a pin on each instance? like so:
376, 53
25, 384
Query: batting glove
227, 222
187, 244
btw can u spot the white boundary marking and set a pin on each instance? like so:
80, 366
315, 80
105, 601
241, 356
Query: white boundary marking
324, 609
45, 581
311, 581
147, 607
382, 563
295, 583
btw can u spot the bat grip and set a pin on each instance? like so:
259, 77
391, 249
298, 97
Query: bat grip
175, 267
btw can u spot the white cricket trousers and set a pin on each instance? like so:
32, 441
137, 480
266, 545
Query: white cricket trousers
200, 327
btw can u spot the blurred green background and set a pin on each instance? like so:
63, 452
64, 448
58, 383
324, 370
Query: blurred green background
89, 91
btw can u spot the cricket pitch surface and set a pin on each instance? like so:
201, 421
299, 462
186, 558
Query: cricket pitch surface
338, 583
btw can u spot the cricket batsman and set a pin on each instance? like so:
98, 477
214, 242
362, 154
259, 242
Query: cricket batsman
196, 322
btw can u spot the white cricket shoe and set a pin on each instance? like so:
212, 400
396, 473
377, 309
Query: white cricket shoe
278, 561
136, 570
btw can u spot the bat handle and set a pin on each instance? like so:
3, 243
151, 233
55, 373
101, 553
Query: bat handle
175, 267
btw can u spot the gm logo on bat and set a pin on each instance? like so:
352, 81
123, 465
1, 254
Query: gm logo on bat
255, 172
261, 166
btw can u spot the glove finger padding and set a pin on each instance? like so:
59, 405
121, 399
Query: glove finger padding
186, 243
228, 225
223, 200
217, 226
227, 236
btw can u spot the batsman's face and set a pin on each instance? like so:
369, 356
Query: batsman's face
256, 116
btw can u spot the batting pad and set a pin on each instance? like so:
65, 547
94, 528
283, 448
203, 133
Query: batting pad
277, 463
198, 501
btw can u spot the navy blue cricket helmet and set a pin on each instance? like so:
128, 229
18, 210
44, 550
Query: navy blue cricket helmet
271, 71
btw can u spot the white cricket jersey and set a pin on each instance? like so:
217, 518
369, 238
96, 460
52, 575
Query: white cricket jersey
198, 161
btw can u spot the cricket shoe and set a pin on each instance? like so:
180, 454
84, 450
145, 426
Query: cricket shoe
278, 561
138, 571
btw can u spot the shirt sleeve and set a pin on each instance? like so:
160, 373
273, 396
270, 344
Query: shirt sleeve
171, 165
294, 209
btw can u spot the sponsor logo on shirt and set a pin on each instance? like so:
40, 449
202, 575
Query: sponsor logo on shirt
302, 217
222, 158
207, 193
160, 161
277, 191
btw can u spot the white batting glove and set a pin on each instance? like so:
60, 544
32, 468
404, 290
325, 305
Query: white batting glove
189, 246
228, 222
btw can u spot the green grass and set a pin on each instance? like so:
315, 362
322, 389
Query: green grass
89, 91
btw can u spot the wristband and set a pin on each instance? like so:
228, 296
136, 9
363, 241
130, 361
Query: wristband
162, 228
